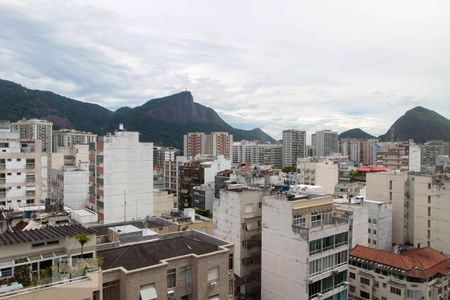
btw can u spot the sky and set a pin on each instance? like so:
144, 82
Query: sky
306, 65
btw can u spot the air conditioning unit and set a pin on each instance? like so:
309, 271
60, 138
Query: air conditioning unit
171, 294
212, 284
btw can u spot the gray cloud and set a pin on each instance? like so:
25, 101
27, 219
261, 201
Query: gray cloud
298, 65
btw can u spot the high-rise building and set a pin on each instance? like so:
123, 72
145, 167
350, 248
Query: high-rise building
351, 148
212, 144
35, 129
419, 204
326, 142
70, 137
23, 170
431, 150
123, 177
403, 156
258, 153
304, 249
367, 148
237, 219
294, 146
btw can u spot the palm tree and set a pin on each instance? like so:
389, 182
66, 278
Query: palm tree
82, 238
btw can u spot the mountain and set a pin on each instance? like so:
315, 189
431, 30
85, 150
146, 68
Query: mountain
419, 124
162, 121
355, 133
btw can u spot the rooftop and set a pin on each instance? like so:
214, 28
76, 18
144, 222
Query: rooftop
150, 253
42, 234
418, 262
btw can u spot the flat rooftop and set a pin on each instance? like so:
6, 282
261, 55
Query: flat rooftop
150, 253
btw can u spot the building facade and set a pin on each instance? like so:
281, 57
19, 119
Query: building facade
294, 146
35, 129
123, 177
326, 142
304, 249
322, 172
70, 137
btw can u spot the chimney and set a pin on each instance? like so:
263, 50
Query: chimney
121, 126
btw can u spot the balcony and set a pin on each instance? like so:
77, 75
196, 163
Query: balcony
319, 225
31, 193
2, 195
2, 180
30, 166
2, 166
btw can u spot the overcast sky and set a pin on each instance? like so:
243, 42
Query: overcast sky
271, 64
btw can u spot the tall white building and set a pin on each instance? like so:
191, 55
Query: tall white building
380, 224
326, 142
352, 148
237, 219
124, 177
70, 186
294, 146
304, 249
23, 170
70, 137
35, 129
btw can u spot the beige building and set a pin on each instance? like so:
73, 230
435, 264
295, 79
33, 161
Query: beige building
317, 171
211, 144
420, 207
23, 171
71, 156
70, 137
35, 129
163, 202
392, 188
181, 266
420, 273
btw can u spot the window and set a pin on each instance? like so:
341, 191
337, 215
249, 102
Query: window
171, 278
186, 275
429, 223
384, 285
230, 261
18, 174
429, 211
396, 291
390, 184
364, 295
429, 199
6, 272
370, 220
36, 245
352, 275
299, 220
365, 280
351, 289
111, 290
374, 242
428, 234
374, 231
186, 297
213, 274
374, 221
369, 230
96, 295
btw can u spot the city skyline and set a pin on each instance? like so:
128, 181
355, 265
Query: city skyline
254, 64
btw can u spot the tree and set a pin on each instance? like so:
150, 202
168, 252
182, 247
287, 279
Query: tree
82, 238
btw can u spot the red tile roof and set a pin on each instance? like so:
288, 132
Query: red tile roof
373, 169
418, 262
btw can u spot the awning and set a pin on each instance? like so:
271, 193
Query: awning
148, 292
214, 298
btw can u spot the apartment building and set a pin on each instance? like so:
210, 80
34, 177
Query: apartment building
163, 154
357, 216
352, 148
27, 256
212, 144
419, 273
318, 171
203, 196
171, 173
258, 153
184, 265
23, 171
326, 142
71, 156
71, 137
379, 224
430, 152
35, 129
123, 177
237, 219
304, 248
419, 204
294, 146
402, 156
69, 186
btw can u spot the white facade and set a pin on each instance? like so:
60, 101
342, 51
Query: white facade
380, 224
321, 172
215, 166
124, 177
304, 250
414, 157
70, 186
358, 217
257, 153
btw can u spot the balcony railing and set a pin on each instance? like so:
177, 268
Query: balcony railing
319, 224
30, 166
